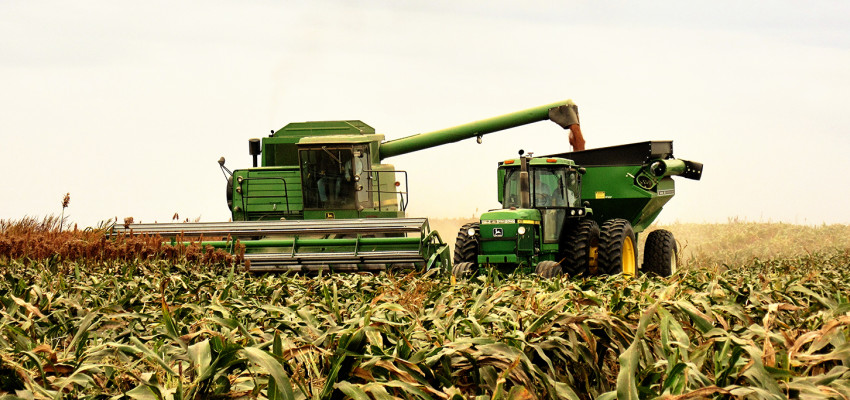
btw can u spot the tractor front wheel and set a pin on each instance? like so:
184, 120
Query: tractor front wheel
660, 255
462, 270
617, 249
466, 245
548, 269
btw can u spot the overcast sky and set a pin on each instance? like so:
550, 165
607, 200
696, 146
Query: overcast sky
128, 105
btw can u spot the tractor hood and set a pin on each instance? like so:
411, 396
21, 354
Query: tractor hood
510, 215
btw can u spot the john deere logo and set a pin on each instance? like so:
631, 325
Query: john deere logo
498, 232
329, 215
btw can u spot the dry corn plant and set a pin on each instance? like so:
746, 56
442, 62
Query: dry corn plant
45, 241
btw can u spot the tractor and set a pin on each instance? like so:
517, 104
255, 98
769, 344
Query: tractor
578, 213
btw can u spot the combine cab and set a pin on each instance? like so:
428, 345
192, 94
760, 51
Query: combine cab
322, 199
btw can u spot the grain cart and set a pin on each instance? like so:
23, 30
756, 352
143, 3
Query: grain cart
578, 213
322, 198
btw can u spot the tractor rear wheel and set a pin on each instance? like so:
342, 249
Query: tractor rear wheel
462, 269
617, 249
548, 269
660, 254
580, 248
466, 245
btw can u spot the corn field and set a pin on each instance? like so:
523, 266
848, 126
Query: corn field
173, 325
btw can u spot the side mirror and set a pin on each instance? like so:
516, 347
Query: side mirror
254, 149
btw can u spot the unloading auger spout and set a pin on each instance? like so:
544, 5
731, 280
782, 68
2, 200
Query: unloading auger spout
563, 113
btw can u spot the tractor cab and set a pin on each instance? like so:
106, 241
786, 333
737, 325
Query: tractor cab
554, 190
540, 197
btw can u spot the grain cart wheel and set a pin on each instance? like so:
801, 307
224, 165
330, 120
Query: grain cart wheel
660, 254
549, 269
466, 245
617, 250
462, 269
581, 246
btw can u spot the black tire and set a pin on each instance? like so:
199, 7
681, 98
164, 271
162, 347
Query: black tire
466, 246
660, 253
617, 248
230, 193
548, 269
462, 269
580, 245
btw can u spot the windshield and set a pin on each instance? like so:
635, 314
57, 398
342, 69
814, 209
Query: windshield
327, 177
550, 187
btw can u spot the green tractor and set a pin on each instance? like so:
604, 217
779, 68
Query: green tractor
578, 213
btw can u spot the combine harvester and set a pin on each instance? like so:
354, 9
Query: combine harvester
322, 200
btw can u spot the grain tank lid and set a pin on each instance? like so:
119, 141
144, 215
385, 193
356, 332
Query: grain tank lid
626, 154
341, 139
539, 161
325, 128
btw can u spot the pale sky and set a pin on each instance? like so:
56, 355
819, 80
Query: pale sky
128, 105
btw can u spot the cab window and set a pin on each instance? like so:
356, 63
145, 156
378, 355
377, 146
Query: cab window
551, 187
511, 190
326, 177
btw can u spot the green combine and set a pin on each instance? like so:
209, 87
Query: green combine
578, 213
322, 198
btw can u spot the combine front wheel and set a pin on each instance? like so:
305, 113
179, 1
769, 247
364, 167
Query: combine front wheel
617, 250
660, 254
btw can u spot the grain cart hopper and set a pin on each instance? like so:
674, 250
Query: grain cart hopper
578, 213
322, 198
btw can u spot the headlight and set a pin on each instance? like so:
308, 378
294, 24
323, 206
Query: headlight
573, 212
521, 230
471, 232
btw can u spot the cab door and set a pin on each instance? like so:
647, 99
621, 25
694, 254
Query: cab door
359, 171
